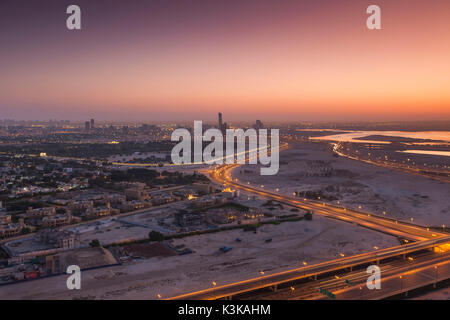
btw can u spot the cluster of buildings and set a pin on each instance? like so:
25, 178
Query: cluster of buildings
216, 209
22, 176
7, 227
40, 263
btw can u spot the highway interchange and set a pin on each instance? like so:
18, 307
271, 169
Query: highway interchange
423, 261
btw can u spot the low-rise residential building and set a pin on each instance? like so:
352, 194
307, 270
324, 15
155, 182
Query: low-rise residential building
5, 218
59, 220
136, 194
82, 205
203, 187
134, 205
40, 212
59, 238
11, 229
188, 219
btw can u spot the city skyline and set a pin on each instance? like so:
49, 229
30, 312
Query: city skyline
271, 60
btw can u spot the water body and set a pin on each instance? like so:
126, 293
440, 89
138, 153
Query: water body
354, 136
428, 152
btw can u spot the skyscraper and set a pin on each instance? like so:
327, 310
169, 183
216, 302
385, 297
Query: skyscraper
220, 121
87, 126
92, 124
258, 125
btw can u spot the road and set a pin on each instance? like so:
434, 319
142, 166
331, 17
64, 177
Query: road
438, 175
247, 288
380, 223
438, 256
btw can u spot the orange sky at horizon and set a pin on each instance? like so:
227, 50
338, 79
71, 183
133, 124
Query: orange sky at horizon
325, 64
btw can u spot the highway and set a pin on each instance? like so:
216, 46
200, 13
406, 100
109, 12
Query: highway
380, 223
397, 277
346, 264
438, 175
415, 269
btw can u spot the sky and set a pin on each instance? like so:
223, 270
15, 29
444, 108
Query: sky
302, 60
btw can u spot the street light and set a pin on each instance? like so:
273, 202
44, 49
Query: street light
436, 274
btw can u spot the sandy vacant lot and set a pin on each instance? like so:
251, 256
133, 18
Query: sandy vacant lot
292, 243
355, 184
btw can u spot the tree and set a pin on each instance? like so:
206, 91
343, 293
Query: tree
155, 236
308, 215
95, 243
251, 227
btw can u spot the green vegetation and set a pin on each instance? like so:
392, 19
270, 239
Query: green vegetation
251, 227
248, 227
147, 176
87, 150
155, 236
23, 205
228, 205
95, 243
308, 216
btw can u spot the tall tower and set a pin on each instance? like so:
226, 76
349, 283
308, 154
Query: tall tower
220, 121
92, 124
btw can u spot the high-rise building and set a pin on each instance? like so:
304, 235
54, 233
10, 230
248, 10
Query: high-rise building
220, 121
87, 126
259, 125
92, 124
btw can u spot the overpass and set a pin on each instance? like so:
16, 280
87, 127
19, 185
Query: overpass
435, 244
433, 252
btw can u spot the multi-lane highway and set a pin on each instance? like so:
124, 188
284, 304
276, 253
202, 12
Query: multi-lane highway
404, 257
439, 175
381, 223
435, 245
